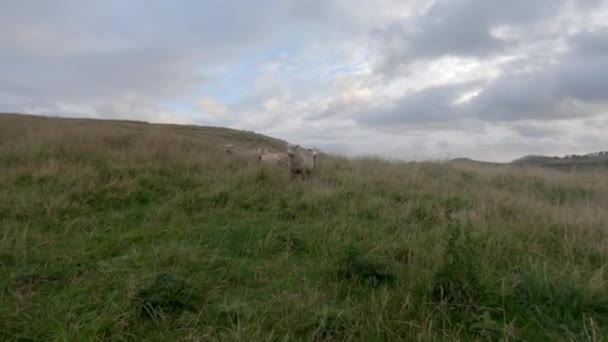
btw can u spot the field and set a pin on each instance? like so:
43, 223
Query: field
115, 230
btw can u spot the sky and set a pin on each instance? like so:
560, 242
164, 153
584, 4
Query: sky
411, 80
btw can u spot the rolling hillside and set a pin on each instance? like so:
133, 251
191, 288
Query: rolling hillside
116, 230
125, 134
590, 161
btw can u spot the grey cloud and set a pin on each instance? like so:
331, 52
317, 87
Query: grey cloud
69, 51
434, 104
536, 129
573, 87
429, 108
461, 28
90, 75
580, 75
152, 59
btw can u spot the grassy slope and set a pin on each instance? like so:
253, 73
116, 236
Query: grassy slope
91, 212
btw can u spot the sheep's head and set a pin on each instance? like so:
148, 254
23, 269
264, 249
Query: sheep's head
291, 149
228, 148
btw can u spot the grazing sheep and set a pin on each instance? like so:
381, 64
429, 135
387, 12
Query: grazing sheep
262, 150
315, 155
246, 156
229, 148
269, 158
301, 161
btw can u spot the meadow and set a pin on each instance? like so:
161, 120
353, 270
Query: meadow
117, 230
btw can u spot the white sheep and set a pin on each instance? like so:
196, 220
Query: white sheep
270, 158
315, 156
301, 161
229, 148
246, 156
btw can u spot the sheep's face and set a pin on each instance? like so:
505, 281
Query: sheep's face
291, 150
229, 148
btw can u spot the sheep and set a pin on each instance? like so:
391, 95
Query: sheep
269, 158
301, 161
315, 155
228, 148
246, 156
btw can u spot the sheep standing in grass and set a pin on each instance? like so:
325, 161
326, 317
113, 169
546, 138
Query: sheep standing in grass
269, 158
315, 156
301, 161
229, 148
245, 156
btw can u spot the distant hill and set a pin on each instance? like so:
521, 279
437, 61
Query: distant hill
468, 161
596, 159
533, 160
590, 160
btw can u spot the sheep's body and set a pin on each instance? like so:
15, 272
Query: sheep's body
246, 156
269, 158
301, 161
274, 159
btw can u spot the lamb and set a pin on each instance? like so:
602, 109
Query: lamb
301, 161
269, 158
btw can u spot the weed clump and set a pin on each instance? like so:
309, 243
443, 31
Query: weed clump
360, 267
327, 323
167, 293
456, 282
232, 313
289, 242
561, 302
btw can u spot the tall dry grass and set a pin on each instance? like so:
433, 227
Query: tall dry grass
124, 230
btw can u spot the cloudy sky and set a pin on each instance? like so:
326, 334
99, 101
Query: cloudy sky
419, 79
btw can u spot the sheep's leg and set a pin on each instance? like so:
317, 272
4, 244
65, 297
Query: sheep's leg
305, 174
294, 173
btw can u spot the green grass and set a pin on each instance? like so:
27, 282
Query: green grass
131, 231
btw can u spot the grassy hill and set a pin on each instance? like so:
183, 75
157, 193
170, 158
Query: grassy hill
464, 162
591, 161
114, 230
571, 162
